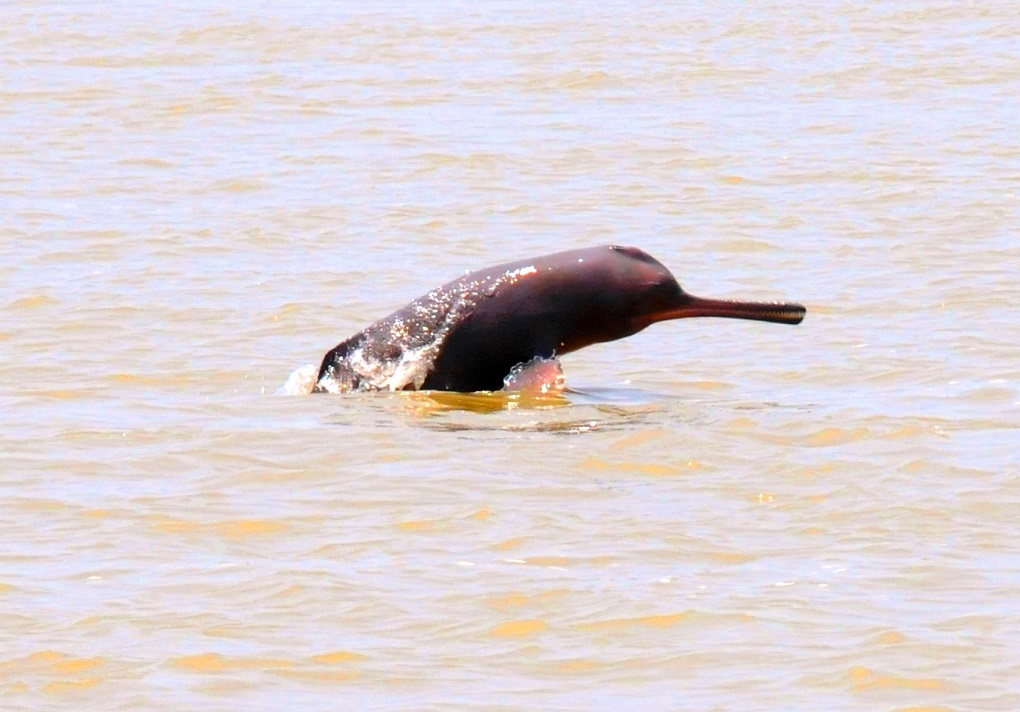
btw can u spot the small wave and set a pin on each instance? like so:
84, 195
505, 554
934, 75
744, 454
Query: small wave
300, 382
539, 375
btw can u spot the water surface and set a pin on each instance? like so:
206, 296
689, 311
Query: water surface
731, 515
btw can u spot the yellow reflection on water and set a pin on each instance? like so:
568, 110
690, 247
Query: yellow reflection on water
230, 529
518, 629
862, 678
214, 662
424, 403
338, 657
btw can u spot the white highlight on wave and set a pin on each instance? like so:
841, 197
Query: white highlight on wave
300, 381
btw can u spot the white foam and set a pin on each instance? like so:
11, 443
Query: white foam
300, 381
411, 369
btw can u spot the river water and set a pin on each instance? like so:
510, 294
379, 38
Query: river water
198, 199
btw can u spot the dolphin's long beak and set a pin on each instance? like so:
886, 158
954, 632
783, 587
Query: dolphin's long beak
690, 306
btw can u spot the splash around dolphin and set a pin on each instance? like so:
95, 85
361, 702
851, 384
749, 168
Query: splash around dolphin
471, 333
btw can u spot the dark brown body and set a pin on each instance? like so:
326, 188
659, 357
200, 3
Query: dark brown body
487, 322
